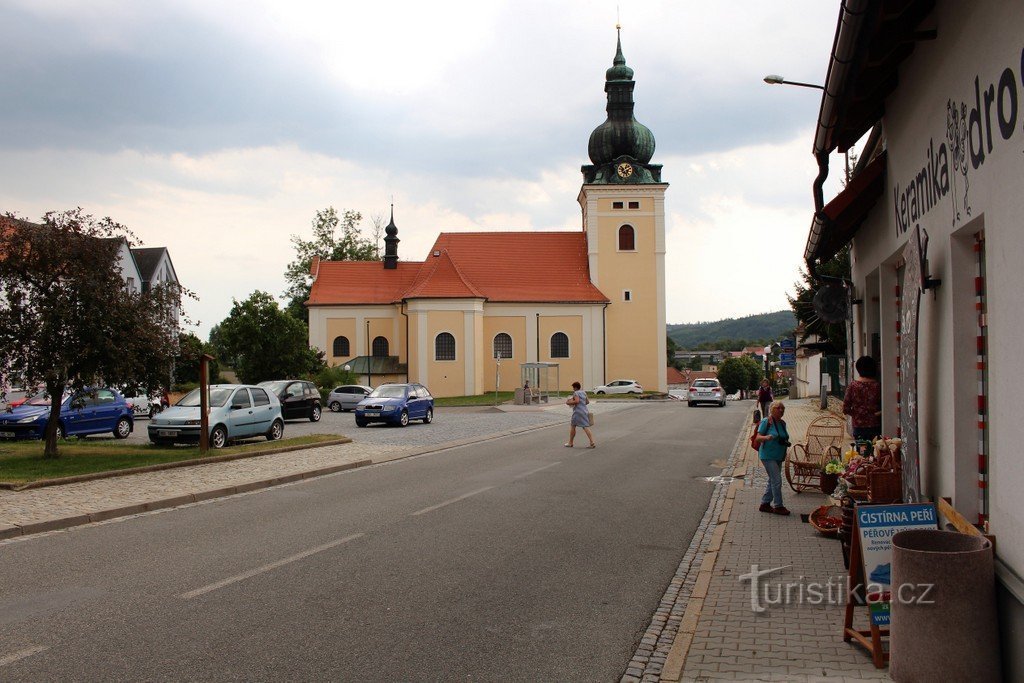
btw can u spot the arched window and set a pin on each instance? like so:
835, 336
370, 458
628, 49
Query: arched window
627, 238
341, 346
502, 345
444, 346
380, 346
559, 345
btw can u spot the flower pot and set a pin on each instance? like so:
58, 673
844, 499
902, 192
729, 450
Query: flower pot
828, 483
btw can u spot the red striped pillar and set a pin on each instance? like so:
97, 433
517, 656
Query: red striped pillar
982, 373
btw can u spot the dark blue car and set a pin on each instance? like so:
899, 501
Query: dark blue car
92, 411
396, 404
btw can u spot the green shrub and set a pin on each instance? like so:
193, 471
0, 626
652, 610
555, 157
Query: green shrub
330, 377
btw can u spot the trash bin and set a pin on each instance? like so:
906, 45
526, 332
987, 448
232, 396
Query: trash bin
948, 632
519, 398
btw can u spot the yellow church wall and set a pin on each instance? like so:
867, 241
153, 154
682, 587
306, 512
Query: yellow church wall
340, 327
569, 369
515, 327
446, 378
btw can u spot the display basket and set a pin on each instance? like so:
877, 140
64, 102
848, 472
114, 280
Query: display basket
885, 486
827, 520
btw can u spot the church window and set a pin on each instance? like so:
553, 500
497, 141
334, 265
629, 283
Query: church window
616, 205
380, 346
559, 345
502, 345
634, 205
627, 295
444, 346
341, 346
627, 238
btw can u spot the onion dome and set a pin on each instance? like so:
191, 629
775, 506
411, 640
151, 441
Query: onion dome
391, 243
621, 134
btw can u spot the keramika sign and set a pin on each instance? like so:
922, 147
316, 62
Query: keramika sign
972, 133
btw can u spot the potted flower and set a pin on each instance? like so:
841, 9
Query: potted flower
830, 475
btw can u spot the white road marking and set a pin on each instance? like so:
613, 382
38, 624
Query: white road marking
267, 567
21, 654
449, 502
539, 469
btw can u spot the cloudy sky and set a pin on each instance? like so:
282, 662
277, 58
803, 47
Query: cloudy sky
218, 128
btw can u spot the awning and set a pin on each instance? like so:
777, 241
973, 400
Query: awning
839, 219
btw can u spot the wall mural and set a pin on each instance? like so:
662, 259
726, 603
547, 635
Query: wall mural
910, 304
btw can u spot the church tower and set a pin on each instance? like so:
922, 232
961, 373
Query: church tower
623, 202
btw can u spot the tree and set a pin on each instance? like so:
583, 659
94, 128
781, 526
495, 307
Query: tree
733, 375
69, 321
833, 334
328, 244
186, 364
265, 342
754, 370
670, 349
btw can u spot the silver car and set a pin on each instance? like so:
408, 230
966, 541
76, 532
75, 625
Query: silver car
347, 397
237, 411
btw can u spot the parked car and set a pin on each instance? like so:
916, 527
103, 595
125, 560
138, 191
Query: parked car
299, 399
347, 397
90, 411
143, 404
396, 404
705, 391
620, 386
237, 411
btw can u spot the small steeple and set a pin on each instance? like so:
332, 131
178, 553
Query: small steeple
391, 243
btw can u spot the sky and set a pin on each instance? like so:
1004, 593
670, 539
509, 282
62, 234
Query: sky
218, 128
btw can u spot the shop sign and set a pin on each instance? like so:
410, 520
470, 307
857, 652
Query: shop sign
876, 525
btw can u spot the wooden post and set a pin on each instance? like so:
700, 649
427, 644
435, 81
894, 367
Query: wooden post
204, 402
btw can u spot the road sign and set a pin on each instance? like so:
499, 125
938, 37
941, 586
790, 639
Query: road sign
788, 344
787, 357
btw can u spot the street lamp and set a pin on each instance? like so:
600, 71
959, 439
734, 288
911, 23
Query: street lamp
774, 79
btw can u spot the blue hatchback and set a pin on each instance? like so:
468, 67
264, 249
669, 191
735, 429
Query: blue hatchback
92, 411
396, 404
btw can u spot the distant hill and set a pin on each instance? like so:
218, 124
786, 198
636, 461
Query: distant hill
761, 327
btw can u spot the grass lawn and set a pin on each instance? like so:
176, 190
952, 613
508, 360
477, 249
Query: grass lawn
481, 400
22, 461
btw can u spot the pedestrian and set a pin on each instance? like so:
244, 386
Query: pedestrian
765, 397
863, 401
774, 440
580, 414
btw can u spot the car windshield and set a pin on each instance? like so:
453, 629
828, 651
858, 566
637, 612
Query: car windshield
218, 397
40, 399
705, 383
388, 392
275, 386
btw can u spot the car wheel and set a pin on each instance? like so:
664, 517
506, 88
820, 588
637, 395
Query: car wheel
689, 404
360, 422
315, 415
218, 437
403, 419
61, 434
429, 417
123, 428
277, 430
600, 392
335, 407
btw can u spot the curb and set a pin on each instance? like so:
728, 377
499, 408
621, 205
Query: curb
167, 466
16, 531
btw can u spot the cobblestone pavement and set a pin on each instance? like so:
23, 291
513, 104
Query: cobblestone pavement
707, 628
35, 510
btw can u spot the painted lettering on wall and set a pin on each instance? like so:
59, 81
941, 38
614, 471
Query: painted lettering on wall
972, 132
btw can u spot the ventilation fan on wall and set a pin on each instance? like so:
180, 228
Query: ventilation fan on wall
830, 303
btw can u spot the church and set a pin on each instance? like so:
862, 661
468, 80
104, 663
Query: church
591, 301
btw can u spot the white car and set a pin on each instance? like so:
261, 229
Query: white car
141, 404
706, 391
620, 386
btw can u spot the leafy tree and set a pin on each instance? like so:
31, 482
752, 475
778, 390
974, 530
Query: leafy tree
328, 244
733, 374
755, 372
266, 342
332, 376
69, 321
833, 334
670, 349
186, 365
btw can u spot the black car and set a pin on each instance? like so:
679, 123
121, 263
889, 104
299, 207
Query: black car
299, 399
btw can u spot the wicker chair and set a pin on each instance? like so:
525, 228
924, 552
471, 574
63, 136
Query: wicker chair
821, 443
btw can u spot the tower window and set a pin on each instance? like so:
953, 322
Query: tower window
380, 346
634, 205
616, 205
627, 295
502, 345
559, 345
444, 346
340, 347
627, 238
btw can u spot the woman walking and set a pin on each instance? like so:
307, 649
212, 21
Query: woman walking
774, 440
580, 414
863, 401
764, 397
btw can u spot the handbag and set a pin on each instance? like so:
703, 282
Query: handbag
590, 418
753, 438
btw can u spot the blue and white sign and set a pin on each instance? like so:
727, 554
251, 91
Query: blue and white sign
787, 357
788, 344
876, 525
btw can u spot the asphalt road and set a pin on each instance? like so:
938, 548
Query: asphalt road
509, 560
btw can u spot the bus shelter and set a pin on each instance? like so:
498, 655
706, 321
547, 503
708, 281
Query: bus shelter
537, 381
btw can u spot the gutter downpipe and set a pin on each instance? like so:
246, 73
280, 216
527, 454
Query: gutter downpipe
406, 316
604, 344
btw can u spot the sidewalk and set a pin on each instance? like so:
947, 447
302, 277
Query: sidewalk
707, 628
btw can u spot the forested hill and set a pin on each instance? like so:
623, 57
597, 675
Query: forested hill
752, 329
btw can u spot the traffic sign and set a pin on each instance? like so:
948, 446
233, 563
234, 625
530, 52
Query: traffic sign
787, 357
787, 364
788, 344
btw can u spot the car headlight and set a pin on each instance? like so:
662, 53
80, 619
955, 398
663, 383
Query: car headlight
193, 422
388, 409
26, 420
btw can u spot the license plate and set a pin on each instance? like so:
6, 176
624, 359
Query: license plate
7, 435
167, 432
704, 393
371, 413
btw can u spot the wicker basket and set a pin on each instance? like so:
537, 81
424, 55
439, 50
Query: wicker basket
885, 487
827, 519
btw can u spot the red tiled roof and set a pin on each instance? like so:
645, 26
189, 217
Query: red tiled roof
498, 266
674, 376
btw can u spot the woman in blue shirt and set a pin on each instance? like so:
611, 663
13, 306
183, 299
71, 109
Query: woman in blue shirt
580, 414
774, 440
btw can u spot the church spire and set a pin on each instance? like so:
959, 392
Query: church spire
391, 242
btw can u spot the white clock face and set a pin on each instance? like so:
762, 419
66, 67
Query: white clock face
624, 170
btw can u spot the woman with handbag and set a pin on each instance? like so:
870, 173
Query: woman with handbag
773, 438
580, 414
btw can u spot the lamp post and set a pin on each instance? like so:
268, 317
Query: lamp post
774, 79
369, 358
